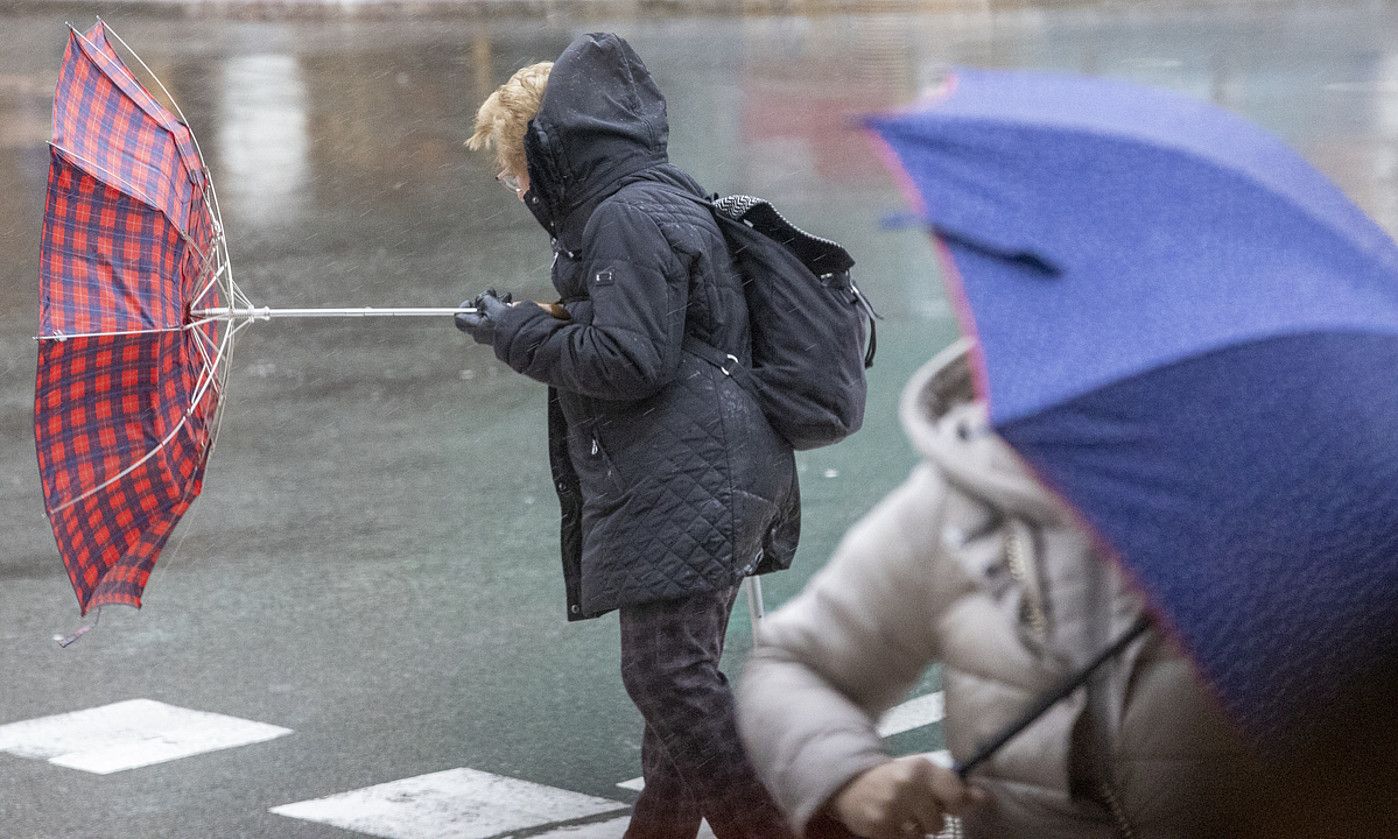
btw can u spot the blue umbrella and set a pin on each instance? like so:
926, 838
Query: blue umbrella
1191, 335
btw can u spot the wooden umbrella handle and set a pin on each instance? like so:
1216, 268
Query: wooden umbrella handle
557, 310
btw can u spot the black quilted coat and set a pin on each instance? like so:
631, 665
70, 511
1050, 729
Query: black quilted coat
670, 479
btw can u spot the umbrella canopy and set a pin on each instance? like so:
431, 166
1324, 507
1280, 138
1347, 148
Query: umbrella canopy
1192, 336
128, 383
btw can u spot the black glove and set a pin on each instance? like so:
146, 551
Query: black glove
480, 324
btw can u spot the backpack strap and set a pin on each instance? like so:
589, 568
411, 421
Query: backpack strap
727, 364
823, 257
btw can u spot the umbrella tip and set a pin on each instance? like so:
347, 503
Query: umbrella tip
67, 641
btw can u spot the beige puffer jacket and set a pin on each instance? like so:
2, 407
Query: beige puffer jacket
973, 564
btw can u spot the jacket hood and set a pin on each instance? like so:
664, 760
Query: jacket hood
602, 118
951, 427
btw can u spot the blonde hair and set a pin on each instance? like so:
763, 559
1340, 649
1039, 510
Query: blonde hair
505, 114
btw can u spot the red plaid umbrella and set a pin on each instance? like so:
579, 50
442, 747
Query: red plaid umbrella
128, 381
137, 315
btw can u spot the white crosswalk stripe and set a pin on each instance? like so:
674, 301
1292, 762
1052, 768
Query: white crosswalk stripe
129, 735
610, 829
454, 804
915, 713
635, 784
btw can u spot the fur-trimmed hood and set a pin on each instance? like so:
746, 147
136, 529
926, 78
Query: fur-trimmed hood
602, 118
949, 425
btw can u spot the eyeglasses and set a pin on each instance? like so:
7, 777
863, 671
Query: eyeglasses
510, 182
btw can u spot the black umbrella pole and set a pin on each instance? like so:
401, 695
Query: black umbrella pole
1048, 700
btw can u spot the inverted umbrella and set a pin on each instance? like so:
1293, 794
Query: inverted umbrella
137, 315
1192, 336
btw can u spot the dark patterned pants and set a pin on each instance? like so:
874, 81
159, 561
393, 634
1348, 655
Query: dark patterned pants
693, 762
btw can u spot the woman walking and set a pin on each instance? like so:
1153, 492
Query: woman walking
673, 486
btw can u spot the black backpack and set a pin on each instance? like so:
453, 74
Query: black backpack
807, 319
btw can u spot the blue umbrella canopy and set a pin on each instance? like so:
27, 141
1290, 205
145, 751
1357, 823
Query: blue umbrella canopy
1192, 336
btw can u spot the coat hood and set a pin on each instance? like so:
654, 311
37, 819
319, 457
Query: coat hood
951, 427
602, 118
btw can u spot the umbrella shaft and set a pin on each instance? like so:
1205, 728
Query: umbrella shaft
1053, 697
264, 313
756, 610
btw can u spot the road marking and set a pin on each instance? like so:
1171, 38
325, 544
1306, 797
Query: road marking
610, 829
129, 735
454, 804
915, 713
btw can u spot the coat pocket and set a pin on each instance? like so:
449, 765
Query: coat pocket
677, 434
597, 474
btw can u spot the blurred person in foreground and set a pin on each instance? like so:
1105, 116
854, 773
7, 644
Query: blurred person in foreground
972, 563
673, 485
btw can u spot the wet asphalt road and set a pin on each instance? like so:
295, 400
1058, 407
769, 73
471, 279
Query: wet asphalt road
373, 561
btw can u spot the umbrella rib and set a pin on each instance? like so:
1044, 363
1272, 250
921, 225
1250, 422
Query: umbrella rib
163, 90
213, 192
210, 369
223, 396
202, 343
206, 380
209, 375
224, 267
123, 184
216, 426
213, 281
123, 473
98, 49
152, 331
130, 189
200, 322
236, 291
155, 330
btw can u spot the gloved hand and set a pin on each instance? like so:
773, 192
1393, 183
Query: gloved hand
480, 324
